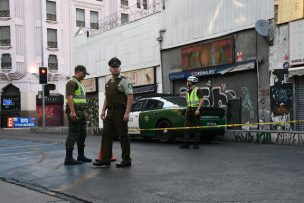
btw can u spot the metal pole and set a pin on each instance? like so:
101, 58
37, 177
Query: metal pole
42, 63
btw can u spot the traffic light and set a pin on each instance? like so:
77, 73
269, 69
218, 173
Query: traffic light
47, 89
43, 75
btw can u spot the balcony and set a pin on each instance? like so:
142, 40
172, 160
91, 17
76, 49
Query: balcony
52, 44
5, 42
51, 17
5, 13
94, 26
80, 23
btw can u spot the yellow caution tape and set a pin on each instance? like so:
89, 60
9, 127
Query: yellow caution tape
220, 126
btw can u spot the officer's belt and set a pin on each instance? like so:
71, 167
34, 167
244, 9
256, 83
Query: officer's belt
79, 107
113, 108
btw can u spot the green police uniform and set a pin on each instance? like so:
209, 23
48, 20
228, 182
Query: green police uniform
193, 96
116, 91
77, 128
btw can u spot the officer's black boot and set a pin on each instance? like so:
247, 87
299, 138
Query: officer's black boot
81, 157
185, 146
69, 160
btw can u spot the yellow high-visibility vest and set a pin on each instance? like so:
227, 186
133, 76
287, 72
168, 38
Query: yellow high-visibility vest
80, 94
193, 99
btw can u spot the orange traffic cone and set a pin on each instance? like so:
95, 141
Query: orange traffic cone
99, 156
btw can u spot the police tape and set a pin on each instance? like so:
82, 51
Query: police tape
218, 126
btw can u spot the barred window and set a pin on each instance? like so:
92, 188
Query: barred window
145, 4
138, 4
124, 18
52, 38
124, 2
5, 36
51, 10
53, 63
80, 18
4, 8
6, 62
94, 20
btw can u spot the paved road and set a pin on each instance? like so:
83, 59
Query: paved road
218, 172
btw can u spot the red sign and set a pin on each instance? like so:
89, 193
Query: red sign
208, 54
10, 122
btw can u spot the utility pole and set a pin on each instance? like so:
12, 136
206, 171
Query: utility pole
42, 64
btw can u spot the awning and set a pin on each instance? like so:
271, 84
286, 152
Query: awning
247, 66
217, 70
144, 89
296, 71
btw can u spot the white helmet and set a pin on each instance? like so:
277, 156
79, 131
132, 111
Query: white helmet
192, 79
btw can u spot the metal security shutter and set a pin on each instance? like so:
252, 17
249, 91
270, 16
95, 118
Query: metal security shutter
300, 101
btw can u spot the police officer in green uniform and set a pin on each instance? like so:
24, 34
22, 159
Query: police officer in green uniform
115, 115
192, 117
76, 107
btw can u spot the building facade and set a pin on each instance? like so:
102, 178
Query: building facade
216, 41
38, 33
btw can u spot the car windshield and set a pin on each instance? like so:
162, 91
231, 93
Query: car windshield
180, 101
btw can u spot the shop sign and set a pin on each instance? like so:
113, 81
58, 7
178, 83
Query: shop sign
18, 122
208, 54
289, 10
296, 43
89, 85
139, 77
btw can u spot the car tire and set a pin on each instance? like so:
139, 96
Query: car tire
165, 136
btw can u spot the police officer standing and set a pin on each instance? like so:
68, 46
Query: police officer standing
76, 106
115, 115
192, 118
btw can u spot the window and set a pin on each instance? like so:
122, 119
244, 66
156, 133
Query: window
94, 20
51, 10
138, 105
138, 4
145, 4
124, 18
154, 104
6, 62
4, 8
124, 2
52, 38
80, 18
53, 63
5, 36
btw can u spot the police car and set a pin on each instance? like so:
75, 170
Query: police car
151, 114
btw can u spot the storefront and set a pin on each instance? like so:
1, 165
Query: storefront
229, 73
10, 104
53, 110
296, 71
143, 81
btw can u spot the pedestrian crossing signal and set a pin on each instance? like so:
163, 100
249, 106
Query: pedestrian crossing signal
43, 75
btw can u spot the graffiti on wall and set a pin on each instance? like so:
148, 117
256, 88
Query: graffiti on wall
266, 137
220, 96
281, 98
92, 112
53, 114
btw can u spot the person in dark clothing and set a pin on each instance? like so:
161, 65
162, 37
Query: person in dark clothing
76, 107
115, 115
192, 116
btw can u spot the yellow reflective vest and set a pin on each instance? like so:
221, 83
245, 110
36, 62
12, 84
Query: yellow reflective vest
80, 94
193, 99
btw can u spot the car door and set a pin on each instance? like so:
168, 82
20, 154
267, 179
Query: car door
133, 124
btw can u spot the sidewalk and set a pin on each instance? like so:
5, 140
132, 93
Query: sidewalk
11, 193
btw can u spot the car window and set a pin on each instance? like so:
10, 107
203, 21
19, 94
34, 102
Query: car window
137, 106
180, 101
154, 104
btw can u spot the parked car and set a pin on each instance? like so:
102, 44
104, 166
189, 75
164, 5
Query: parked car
168, 111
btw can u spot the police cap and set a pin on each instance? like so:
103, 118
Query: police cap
81, 68
114, 62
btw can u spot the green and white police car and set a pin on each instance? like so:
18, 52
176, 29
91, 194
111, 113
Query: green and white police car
151, 115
